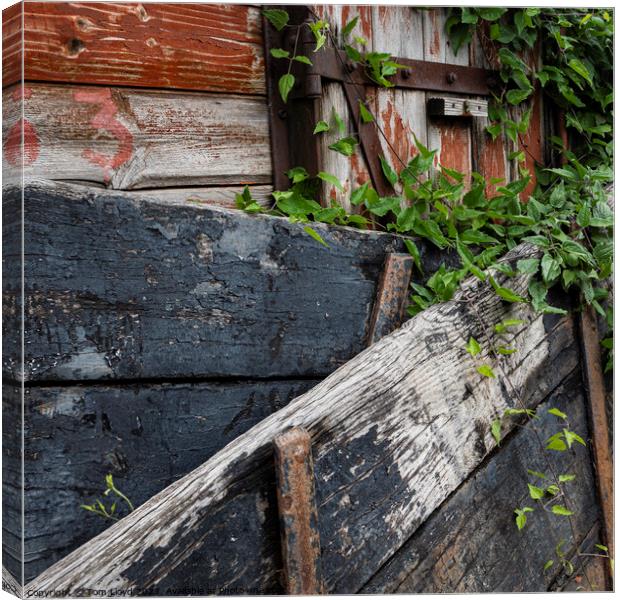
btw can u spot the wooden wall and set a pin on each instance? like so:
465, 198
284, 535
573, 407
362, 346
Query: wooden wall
158, 325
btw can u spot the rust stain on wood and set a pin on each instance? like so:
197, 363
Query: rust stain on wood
389, 309
532, 143
206, 47
299, 531
455, 150
593, 372
11, 44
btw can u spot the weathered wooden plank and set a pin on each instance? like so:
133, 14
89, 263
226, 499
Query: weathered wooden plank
392, 294
123, 287
12, 44
299, 526
394, 432
127, 139
209, 47
450, 137
470, 544
351, 171
146, 435
10, 584
593, 372
400, 113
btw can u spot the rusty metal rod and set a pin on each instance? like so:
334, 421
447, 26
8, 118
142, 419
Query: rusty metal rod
299, 526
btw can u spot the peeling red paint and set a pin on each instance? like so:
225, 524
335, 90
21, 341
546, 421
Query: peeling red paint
399, 134
455, 152
13, 144
532, 144
105, 120
491, 162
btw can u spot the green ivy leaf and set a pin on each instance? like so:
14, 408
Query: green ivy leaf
389, 173
473, 347
344, 146
571, 436
536, 493
349, 27
566, 478
537, 474
415, 253
548, 565
556, 443
558, 509
558, 413
313, 234
576, 65
330, 179
320, 127
303, 59
515, 97
285, 85
486, 371
528, 266
496, 430
365, 114
277, 17
279, 53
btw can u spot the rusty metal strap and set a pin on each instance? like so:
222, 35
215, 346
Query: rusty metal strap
419, 75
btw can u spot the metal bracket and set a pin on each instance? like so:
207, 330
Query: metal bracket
299, 526
292, 124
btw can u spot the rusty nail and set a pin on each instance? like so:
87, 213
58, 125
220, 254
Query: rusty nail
350, 66
282, 113
406, 73
451, 77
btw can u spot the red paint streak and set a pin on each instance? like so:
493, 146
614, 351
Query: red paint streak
531, 144
492, 163
106, 120
21, 92
399, 134
436, 42
456, 149
13, 144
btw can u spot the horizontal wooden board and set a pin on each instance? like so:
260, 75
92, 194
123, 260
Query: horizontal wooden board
394, 431
471, 544
147, 436
209, 47
130, 139
12, 44
119, 287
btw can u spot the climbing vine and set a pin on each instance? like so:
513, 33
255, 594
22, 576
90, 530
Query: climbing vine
567, 55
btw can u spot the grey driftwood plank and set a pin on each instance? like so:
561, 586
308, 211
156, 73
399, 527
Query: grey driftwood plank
147, 436
123, 287
395, 430
471, 544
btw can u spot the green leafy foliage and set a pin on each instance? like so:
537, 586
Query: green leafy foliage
110, 511
285, 85
473, 347
521, 516
277, 17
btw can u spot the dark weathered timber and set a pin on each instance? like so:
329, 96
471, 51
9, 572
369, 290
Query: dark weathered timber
299, 527
389, 309
128, 288
147, 436
471, 543
394, 432
593, 373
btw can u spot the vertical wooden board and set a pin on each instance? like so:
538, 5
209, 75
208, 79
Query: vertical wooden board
12, 44
401, 113
127, 138
351, 171
450, 137
209, 47
488, 155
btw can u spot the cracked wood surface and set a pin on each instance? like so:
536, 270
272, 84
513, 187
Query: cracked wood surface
146, 435
210, 47
471, 544
119, 287
131, 139
395, 431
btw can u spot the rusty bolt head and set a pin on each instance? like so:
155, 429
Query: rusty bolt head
491, 82
282, 113
451, 77
350, 66
406, 73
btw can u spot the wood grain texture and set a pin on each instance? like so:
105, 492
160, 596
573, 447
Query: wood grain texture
208, 47
128, 139
12, 44
146, 435
471, 544
125, 287
395, 431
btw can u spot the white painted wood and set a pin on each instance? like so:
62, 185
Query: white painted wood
415, 394
131, 139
